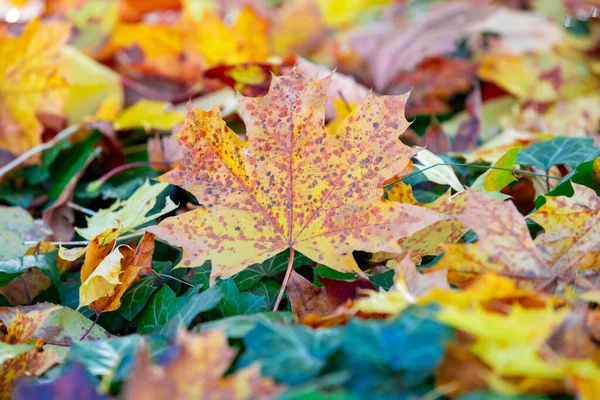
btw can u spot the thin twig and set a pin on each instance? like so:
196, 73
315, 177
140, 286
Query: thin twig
98, 182
38, 149
175, 279
80, 208
521, 171
91, 326
288, 273
154, 95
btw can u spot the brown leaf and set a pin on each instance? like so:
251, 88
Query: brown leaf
311, 303
197, 373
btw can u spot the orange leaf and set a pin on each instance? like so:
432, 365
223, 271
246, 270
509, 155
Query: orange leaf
292, 184
23, 327
197, 373
33, 362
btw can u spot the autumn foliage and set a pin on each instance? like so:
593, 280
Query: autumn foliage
299, 199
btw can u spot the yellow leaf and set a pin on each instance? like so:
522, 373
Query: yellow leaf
29, 77
148, 114
219, 43
90, 85
103, 278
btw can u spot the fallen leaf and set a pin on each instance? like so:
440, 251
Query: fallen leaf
106, 274
434, 169
16, 225
33, 362
310, 302
319, 194
29, 72
27, 286
504, 245
197, 372
148, 114
61, 327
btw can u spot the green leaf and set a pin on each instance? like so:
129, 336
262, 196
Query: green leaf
268, 290
329, 273
569, 151
194, 305
494, 180
290, 354
16, 225
128, 214
379, 353
236, 303
112, 358
71, 164
16, 266
136, 298
161, 308
584, 174
238, 326
267, 269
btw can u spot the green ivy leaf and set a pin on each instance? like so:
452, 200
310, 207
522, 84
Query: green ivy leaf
236, 303
290, 354
569, 151
136, 298
16, 266
267, 269
161, 308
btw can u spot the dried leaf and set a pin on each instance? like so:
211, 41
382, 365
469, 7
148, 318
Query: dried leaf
197, 372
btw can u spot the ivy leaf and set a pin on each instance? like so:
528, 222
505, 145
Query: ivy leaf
570, 151
161, 308
292, 184
110, 358
16, 225
45, 262
267, 269
238, 326
379, 353
194, 305
136, 298
236, 303
290, 354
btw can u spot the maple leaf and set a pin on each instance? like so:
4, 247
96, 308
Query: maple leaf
29, 75
197, 372
429, 240
504, 246
106, 274
571, 229
292, 184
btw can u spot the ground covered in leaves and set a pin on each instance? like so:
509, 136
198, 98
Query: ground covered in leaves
299, 199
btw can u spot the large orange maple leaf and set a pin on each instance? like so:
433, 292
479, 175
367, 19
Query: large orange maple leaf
293, 183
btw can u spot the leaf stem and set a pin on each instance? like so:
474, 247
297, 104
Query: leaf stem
288, 272
38, 149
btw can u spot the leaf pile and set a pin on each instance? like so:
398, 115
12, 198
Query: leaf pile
205, 199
